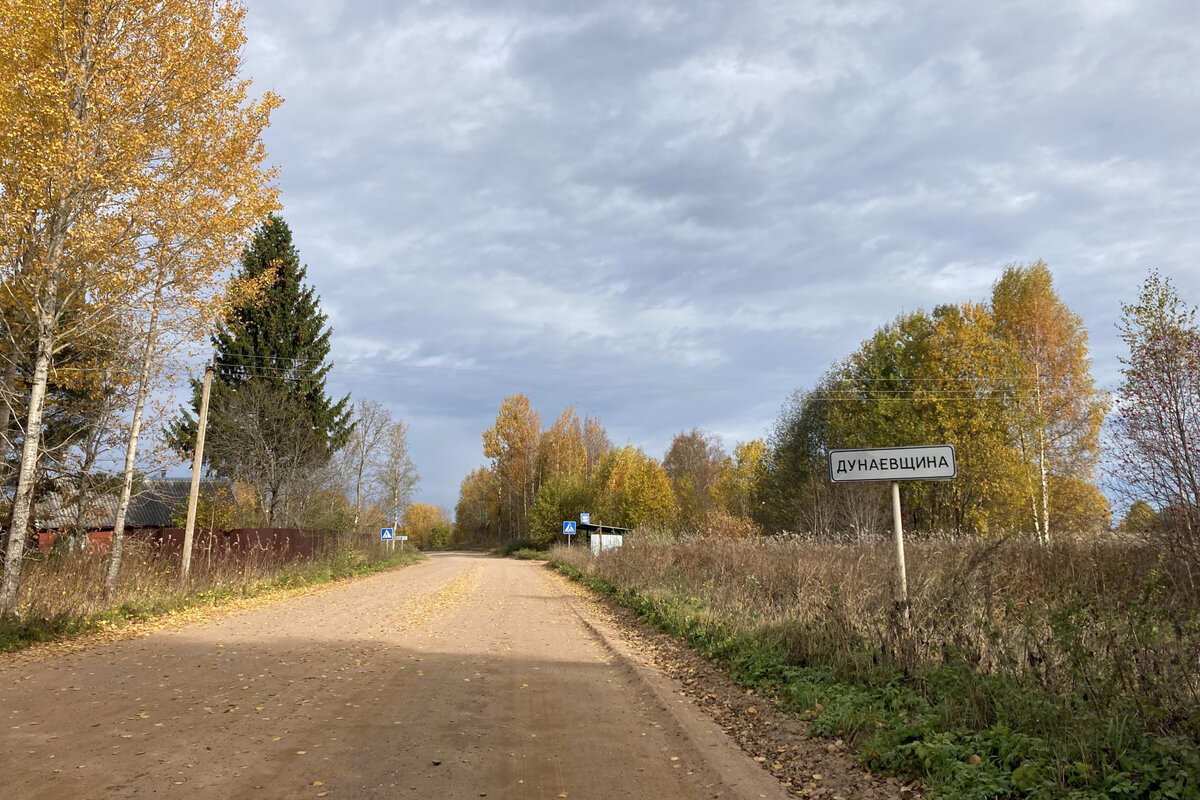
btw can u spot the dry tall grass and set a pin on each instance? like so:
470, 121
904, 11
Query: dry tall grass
59, 584
1096, 619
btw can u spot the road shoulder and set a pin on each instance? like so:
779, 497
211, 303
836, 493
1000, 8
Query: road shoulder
763, 740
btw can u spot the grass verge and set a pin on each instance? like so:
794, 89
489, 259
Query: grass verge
530, 554
963, 732
159, 593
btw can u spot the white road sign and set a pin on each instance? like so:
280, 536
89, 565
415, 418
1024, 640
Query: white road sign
925, 463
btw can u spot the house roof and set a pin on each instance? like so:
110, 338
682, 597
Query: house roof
588, 527
152, 507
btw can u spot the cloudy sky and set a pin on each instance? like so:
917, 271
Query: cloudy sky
672, 214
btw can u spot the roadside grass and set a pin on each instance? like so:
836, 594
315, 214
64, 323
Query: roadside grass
1068, 672
62, 594
511, 546
530, 554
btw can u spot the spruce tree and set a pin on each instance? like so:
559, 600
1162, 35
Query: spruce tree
280, 344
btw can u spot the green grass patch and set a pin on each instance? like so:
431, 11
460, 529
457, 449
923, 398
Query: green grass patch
530, 554
964, 734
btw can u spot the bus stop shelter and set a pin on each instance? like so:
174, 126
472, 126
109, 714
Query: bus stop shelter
602, 537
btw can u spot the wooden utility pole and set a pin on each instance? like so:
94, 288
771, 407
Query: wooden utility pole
194, 494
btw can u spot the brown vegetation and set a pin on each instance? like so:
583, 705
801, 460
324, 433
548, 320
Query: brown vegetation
1113, 617
68, 586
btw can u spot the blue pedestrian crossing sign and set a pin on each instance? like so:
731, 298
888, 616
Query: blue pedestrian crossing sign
386, 534
569, 527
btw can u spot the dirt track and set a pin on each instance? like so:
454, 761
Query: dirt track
465, 676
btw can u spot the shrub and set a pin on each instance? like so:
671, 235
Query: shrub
513, 545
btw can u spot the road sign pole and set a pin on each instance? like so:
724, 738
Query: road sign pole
898, 527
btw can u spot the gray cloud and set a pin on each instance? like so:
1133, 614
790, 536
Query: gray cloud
672, 214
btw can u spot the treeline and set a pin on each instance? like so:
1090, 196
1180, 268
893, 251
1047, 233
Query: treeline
1008, 383
538, 477
1006, 380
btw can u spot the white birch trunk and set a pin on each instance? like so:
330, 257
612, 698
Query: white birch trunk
46, 308
1041, 433
1045, 491
118, 536
358, 494
23, 497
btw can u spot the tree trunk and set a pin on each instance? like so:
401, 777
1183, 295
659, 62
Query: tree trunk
46, 299
1041, 431
1045, 490
1033, 506
396, 507
273, 506
8, 396
23, 497
118, 535
358, 494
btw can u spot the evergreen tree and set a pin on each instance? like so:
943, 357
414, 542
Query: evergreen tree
279, 344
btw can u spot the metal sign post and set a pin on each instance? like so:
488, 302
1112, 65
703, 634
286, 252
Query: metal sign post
569, 530
894, 464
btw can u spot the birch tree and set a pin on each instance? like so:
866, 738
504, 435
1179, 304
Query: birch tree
1157, 418
596, 445
631, 488
693, 463
476, 514
126, 124
395, 474
512, 445
1058, 411
364, 448
562, 450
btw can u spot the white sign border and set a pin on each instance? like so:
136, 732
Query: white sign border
878, 451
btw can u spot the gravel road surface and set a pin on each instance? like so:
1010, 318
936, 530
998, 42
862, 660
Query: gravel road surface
464, 676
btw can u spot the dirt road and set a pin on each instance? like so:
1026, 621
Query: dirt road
464, 676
